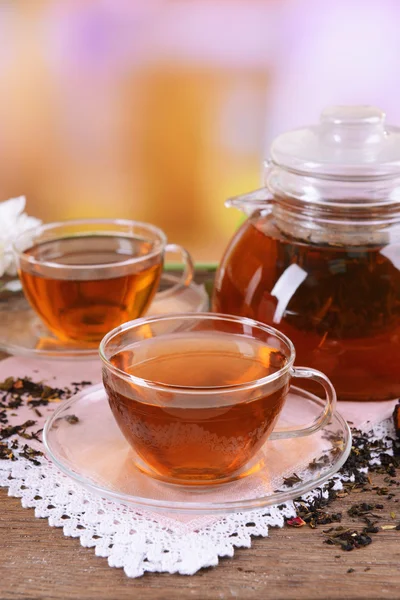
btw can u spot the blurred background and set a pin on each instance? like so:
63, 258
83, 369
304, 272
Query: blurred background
158, 110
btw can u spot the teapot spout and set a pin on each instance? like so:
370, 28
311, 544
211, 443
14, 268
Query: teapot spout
260, 199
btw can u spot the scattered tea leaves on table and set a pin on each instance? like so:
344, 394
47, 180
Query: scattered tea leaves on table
313, 511
347, 539
6, 452
31, 454
368, 457
362, 509
10, 430
7, 384
16, 392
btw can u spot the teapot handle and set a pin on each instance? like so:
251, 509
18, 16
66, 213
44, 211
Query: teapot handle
260, 199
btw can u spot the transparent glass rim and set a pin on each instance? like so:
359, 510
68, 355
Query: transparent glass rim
161, 241
145, 383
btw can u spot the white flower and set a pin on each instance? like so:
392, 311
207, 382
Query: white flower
13, 221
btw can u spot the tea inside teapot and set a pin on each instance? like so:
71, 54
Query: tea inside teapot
319, 255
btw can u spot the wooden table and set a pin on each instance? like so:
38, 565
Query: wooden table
37, 562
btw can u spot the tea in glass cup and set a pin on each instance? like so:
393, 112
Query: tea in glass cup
197, 395
85, 277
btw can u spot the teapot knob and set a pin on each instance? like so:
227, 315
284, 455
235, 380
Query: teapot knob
352, 125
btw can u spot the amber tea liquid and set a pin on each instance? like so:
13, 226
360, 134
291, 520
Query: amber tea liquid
84, 304
200, 437
344, 318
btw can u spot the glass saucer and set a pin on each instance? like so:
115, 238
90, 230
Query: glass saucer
23, 333
92, 451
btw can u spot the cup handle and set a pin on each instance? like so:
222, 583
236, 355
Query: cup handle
188, 272
326, 414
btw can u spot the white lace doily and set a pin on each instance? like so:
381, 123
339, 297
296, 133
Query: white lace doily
134, 540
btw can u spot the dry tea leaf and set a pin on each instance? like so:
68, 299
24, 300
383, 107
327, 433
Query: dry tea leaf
72, 419
292, 480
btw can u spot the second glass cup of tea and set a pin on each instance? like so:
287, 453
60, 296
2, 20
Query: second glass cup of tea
197, 395
87, 276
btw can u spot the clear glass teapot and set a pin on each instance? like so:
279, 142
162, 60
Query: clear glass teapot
319, 255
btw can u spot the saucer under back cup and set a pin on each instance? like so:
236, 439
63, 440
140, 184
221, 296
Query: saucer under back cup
23, 334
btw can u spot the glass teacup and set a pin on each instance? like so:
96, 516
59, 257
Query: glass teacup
197, 395
85, 277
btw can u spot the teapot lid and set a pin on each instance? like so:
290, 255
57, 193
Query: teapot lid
350, 141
